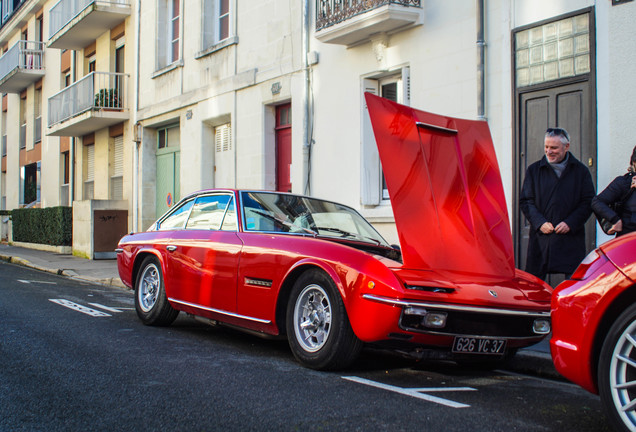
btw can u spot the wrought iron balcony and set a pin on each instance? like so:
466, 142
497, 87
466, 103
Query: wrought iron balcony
96, 101
21, 66
74, 24
348, 22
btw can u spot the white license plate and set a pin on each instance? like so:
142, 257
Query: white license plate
471, 345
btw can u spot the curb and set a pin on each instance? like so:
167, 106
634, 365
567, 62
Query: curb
112, 282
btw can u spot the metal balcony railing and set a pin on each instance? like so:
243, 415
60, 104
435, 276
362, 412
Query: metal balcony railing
23, 55
97, 90
331, 12
4, 145
65, 10
23, 136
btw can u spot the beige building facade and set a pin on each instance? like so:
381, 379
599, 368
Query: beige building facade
192, 94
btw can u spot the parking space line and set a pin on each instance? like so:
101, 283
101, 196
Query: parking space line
79, 308
109, 309
419, 393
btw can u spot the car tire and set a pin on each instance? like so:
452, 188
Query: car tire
151, 303
318, 328
616, 367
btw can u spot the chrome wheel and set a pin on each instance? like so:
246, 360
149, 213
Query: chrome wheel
149, 286
622, 376
312, 318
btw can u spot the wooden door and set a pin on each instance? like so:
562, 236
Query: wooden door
283, 148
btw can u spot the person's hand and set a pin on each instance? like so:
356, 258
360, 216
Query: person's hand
547, 228
617, 227
562, 228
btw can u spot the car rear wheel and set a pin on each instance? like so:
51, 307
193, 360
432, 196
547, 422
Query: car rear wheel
318, 328
151, 303
617, 371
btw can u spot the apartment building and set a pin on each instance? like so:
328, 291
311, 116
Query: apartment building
66, 113
269, 95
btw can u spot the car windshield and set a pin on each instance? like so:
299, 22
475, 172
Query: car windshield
272, 212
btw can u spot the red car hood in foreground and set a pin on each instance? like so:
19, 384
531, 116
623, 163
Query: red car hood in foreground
446, 190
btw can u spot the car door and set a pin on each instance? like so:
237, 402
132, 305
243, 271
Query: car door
202, 259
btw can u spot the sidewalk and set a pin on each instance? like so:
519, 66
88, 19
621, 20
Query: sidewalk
534, 360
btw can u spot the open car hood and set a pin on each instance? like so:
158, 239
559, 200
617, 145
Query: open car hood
445, 189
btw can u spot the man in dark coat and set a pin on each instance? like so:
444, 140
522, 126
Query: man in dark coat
555, 198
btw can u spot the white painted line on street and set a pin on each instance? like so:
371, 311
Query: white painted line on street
40, 282
417, 392
109, 309
79, 308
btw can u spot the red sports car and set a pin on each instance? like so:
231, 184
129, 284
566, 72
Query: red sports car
318, 273
594, 337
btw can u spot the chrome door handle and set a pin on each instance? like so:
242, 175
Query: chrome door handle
171, 248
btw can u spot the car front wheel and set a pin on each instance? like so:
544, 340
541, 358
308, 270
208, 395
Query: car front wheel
617, 371
318, 328
151, 303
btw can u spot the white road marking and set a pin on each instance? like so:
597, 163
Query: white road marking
417, 392
109, 309
79, 308
40, 282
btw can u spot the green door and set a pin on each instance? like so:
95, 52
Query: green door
168, 184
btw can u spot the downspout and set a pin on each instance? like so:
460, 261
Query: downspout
481, 62
306, 101
135, 197
72, 145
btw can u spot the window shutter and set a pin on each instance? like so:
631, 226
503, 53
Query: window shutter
118, 156
406, 86
223, 138
370, 181
90, 162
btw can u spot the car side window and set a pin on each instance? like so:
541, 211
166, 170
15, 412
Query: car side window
208, 212
177, 218
229, 222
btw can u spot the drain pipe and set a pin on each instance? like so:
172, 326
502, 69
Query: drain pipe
306, 102
481, 62
137, 129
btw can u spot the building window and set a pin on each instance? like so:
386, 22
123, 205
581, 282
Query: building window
23, 120
168, 32
552, 51
31, 186
65, 171
396, 87
223, 138
89, 166
37, 124
217, 22
117, 169
168, 136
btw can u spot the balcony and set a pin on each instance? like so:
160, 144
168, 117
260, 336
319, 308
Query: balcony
74, 24
21, 66
96, 101
350, 22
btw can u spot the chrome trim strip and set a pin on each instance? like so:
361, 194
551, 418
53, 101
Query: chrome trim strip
219, 311
258, 282
461, 308
119, 250
435, 127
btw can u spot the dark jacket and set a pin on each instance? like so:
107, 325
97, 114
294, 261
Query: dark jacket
548, 198
616, 191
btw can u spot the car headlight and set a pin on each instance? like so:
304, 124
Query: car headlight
588, 265
541, 326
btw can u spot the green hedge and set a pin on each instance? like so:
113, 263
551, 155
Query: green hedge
51, 226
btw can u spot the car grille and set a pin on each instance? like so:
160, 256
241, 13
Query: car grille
475, 324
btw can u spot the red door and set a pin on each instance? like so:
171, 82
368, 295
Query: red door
283, 148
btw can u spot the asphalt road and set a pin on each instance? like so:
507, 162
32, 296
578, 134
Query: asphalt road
74, 357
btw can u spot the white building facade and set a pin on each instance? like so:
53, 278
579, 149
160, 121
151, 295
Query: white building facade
269, 94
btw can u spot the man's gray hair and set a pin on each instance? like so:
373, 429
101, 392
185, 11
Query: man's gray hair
563, 135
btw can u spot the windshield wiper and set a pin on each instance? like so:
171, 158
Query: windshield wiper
348, 234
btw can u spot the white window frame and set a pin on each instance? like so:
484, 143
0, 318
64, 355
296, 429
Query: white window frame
372, 192
211, 39
164, 33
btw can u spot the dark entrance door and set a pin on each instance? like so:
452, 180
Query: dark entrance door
571, 106
283, 148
